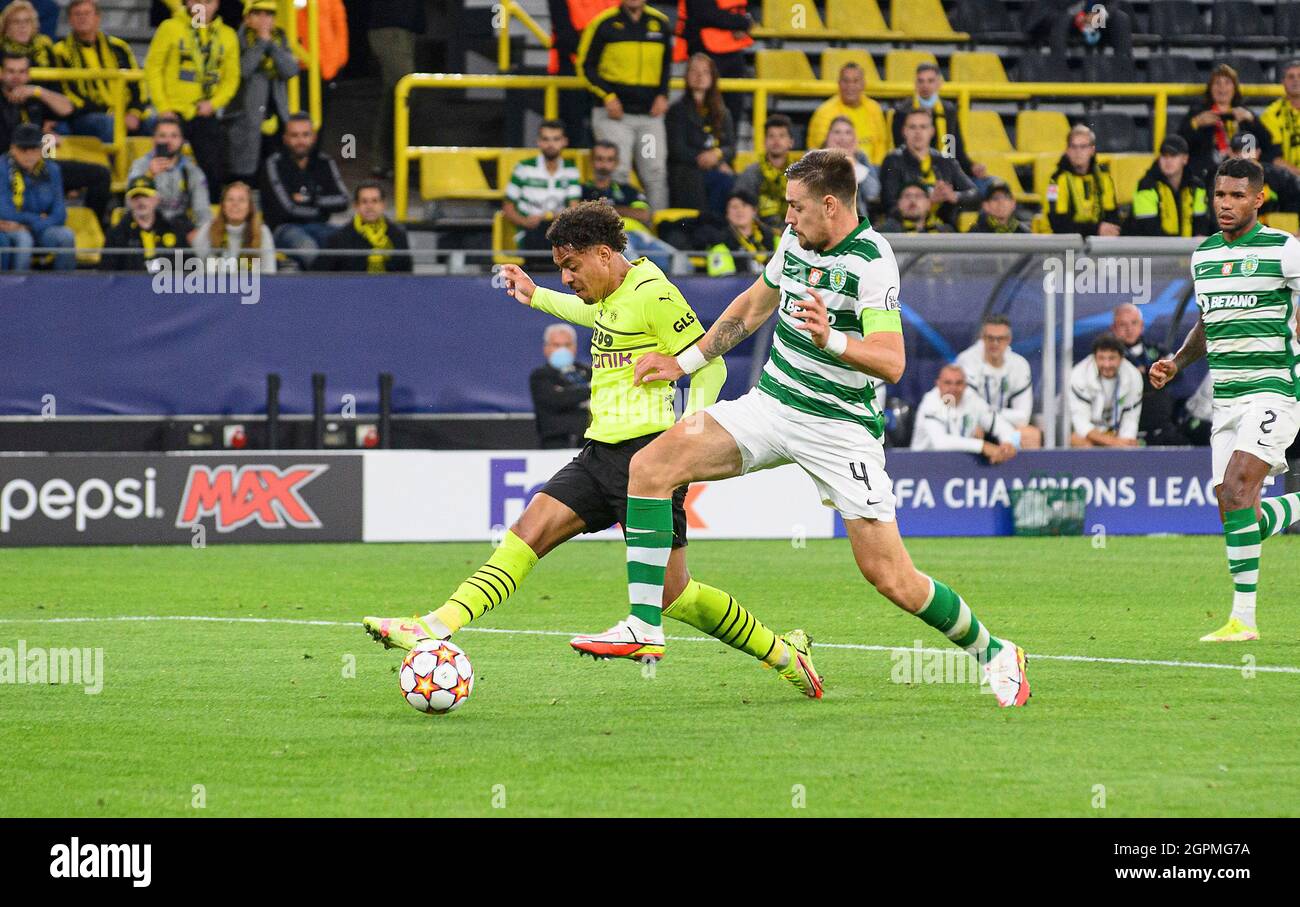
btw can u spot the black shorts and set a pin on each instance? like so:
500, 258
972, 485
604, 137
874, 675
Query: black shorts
594, 486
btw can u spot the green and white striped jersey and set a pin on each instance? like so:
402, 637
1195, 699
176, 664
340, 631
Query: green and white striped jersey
1246, 292
858, 281
536, 190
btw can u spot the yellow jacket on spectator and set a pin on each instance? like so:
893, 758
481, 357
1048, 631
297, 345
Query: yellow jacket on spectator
868, 119
107, 52
186, 65
1283, 124
1081, 202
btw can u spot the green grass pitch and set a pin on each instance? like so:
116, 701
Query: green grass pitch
264, 718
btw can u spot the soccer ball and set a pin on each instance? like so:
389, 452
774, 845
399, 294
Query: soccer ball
436, 677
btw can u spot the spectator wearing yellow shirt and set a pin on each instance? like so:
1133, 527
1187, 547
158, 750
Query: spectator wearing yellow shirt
193, 71
851, 101
1282, 120
87, 47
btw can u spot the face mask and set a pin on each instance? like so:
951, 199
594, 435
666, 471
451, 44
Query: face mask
561, 359
927, 103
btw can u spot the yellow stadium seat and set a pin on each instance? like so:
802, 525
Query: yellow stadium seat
834, 58
984, 132
923, 20
668, 215
1044, 166
85, 149
455, 174
1127, 171
858, 19
900, 65
85, 227
782, 64
970, 66
794, 19
1042, 131
746, 159
966, 220
1283, 220
1000, 166
503, 241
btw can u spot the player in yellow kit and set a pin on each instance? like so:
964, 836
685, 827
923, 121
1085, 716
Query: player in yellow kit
632, 309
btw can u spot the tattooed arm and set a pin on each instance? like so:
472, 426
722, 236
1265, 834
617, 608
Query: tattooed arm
1164, 370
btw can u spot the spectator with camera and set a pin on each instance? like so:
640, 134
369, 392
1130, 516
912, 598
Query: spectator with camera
182, 187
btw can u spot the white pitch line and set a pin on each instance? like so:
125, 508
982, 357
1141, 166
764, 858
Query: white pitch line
859, 647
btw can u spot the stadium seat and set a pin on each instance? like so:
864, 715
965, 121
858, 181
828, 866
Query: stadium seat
1116, 132
923, 20
859, 20
503, 241
1174, 69
975, 66
1044, 166
782, 64
457, 173
1286, 21
1036, 67
1103, 68
983, 131
90, 236
85, 149
508, 157
1181, 22
1140, 37
900, 65
792, 19
1127, 171
1282, 220
1241, 23
1042, 131
1000, 166
987, 21
835, 57
1249, 70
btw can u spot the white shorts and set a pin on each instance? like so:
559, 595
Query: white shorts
844, 460
1263, 426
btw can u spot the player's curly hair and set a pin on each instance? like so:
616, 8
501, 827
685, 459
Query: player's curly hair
1242, 168
588, 224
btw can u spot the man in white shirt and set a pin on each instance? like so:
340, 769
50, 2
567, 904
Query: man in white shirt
949, 418
1001, 377
1105, 397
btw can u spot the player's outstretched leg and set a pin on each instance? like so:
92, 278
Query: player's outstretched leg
886, 564
545, 524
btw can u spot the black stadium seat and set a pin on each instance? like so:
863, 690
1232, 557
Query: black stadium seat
1249, 70
1173, 68
1036, 67
987, 21
1102, 68
1115, 132
1141, 35
1241, 22
1181, 22
1286, 22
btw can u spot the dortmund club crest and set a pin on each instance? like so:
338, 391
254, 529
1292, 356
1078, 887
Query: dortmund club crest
1249, 265
838, 278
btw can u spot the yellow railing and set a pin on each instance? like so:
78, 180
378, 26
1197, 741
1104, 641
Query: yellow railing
512, 10
764, 90
287, 15
116, 79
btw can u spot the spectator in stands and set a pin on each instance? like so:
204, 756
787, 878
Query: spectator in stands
182, 188
41, 105
1281, 185
1063, 21
1214, 119
624, 57
1281, 121
950, 418
765, 179
47, 14
1081, 195
1170, 200
851, 101
629, 202
916, 162
701, 142
543, 186
394, 27
32, 213
301, 188
1157, 423
1001, 378
20, 33
261, 106
237, 232
913, 212
87, 47
720, 29
1105, 397
568, 20
998, 211
948, 138
745, 236
561, 390
370, 230
193, 72
843, 136
144, 229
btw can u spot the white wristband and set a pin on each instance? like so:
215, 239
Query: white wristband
837, 342
692, 359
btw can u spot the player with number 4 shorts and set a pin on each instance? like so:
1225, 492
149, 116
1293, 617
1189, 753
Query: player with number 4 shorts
1246, 278
833, 282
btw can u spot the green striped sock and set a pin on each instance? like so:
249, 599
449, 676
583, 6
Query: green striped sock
1278, 513
948, 613
1242, 537
649, 534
